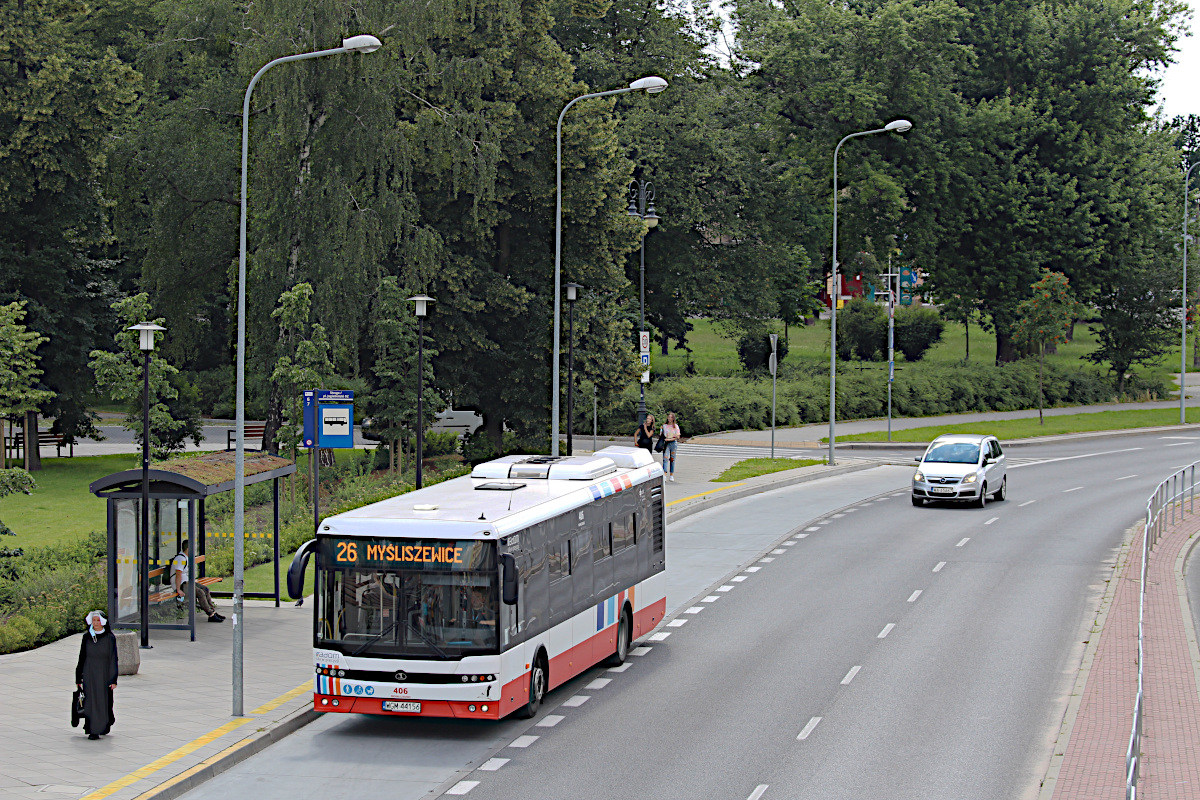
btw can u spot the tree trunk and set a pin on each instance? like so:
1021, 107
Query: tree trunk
33, 455
967, 335
1006, 349
665, 340
494, 426
1041, 363
273, 421
3, 446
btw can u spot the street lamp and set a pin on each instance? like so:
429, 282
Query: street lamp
897, 126
641, 205
146, 331
572, 296
363, 43
650, 85
1187, 177
422, 308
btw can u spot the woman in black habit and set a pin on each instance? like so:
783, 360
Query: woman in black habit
96, 675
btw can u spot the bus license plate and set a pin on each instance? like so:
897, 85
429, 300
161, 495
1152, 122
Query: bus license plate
398, 705
941, 490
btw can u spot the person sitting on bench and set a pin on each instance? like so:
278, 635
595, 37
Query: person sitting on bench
181, 574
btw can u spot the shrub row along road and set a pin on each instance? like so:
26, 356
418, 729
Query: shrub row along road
880, 650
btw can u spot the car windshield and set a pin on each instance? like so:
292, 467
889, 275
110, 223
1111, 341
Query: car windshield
953, 453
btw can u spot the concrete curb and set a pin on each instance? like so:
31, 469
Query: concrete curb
1095, 630
1185, 605
236, 753
1034, 440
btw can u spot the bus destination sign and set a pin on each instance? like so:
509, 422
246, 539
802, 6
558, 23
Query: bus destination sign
396, 554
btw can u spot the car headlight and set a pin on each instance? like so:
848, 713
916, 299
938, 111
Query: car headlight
974, 476
918, 477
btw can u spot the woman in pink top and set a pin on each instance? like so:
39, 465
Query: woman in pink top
671, 435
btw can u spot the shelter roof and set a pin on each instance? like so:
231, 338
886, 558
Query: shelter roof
200, 476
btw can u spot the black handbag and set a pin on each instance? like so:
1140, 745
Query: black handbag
77, 699
661, 444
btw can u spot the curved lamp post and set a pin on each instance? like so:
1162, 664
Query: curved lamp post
650, 85
898, 126
1187, 177
363, 43
641, 205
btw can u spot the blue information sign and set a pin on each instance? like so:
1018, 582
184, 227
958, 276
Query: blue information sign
336, 421
309, 437
335, 396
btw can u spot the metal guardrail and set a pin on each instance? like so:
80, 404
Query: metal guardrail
1170, 496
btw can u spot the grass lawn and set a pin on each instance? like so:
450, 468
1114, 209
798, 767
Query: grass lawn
61, 508
1025, 428
752, 467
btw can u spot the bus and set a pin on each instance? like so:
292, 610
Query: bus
474, 597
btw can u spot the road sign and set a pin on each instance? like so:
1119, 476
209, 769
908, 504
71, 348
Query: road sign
309, 437
644, 342
773, 362
645, 359
337, 424
907, 278
335, 396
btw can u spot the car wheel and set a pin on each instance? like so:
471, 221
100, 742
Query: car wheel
918, 501
1002, 492
982, 501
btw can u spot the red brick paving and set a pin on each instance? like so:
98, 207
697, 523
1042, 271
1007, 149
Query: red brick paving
1094, 762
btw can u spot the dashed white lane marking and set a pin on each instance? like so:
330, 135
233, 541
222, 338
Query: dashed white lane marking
850, 675
1178, 444
801, 535
778, 551
694, 610
824, 522
1076, 489
838, 516
758, 792
528, 739
640, 651
725, 588
660, 636
939, 566
550, 720
880, 499
851, 510
964, 541
462, 787
886, 630
990, 521
812, 723
599, 683
813, 528
753, 569
621, 668
493, 764
790, 543
901, 494
677, 623
766, 560
912, 598
739, 578
712, 598
1126, 477
1026, 503
576, 701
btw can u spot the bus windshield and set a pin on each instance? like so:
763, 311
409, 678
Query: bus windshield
416, 608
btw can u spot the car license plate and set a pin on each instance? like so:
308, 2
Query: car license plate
397, 705
941, 490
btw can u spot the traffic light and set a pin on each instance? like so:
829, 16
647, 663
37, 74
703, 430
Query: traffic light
906, 286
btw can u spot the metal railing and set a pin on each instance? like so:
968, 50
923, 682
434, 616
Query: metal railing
1169, 499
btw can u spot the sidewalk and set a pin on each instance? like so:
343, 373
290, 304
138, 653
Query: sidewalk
1099, 719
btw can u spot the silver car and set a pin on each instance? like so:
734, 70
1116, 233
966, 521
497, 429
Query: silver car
961, 467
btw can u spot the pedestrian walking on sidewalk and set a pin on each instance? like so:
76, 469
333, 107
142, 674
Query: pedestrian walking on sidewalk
644, 435
96, 676
671, 436
181, 573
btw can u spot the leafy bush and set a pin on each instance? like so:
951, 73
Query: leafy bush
916, 330
439, 443
754, 350
861, 330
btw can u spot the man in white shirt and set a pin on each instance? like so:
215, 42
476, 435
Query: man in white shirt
181, 574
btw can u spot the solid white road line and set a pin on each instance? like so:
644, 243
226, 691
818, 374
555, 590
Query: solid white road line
812, 723
640, 651
527, 739
1076, 489
598, 683
758, 792
694, 610
1072, 458
677, 623
462, 787
850, 675
660, 636
1125, 477
939, 566
886, 630
577, 700
964, 541
621, 668
1026, 503
912, 598
990, 521
493, 764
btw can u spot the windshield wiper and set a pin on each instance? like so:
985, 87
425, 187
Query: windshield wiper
375, 638
426, 639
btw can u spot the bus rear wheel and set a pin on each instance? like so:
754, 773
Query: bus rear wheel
624, 636
537, 688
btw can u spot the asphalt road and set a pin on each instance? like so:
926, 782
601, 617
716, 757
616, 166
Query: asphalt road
884, 651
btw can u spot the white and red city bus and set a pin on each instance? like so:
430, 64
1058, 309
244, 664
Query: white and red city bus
474, 597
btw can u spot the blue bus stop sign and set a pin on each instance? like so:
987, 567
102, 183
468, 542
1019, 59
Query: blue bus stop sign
336, 422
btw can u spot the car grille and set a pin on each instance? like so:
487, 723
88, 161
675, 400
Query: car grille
942, 481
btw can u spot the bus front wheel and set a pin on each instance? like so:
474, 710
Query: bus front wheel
624, 636
537, 688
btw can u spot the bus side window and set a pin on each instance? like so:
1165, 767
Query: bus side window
560, 561
602, 542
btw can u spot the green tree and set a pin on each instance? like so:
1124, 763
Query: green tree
174, 417
304, 364
1045, 318
19, 373
13, 481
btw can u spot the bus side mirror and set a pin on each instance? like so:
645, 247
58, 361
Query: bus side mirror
508, 566
295, 573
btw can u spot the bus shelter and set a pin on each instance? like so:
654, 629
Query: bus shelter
137, 558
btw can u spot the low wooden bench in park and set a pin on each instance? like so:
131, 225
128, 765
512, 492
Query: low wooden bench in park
16, 443
252, 432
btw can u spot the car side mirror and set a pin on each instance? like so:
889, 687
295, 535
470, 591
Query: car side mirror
508, 566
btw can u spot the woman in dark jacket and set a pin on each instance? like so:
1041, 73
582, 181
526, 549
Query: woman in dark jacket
644, 435
96, 675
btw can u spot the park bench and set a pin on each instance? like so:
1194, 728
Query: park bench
16, 442
169, 592
254, 431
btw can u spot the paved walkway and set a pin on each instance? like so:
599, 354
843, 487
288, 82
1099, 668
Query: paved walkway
1099, 720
